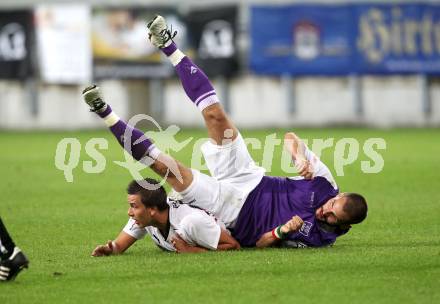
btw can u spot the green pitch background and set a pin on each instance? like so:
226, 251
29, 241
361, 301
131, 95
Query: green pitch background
394, 257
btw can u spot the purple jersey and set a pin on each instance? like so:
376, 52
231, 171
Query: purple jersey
275, 200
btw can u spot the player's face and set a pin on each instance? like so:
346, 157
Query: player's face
138, 211
332, 211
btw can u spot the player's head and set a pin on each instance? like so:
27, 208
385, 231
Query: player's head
145, 204
343, 209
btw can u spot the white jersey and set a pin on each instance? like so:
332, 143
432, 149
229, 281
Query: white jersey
196, 226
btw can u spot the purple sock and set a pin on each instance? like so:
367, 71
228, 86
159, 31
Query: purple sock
194, 81
106, 112
139, 150
169, 49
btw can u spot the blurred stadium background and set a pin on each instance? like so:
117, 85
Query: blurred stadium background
274, 63
347, 70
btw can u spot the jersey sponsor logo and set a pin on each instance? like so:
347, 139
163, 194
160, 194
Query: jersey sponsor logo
306, 227
174, 203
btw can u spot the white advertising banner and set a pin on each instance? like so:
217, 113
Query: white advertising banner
64, 46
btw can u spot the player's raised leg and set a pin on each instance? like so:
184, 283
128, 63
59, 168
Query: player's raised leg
226, 156
195, 83
137, 144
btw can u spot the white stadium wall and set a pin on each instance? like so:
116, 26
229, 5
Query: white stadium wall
55, 107
393, 101
258, 102
254, 102
434, 95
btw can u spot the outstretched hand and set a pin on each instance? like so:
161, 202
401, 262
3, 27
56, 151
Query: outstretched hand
104, 250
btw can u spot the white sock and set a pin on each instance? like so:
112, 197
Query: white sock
154, 152
176, 57
111, 119
210, 100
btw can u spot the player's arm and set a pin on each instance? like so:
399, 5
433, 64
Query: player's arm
226, 242
122, 242
199, 232
183, 247
297, 149
306, 162
272, 237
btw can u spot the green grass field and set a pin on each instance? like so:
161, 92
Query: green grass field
394, 257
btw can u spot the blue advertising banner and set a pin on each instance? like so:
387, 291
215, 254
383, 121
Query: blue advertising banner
397, 38
345, 39
301, 39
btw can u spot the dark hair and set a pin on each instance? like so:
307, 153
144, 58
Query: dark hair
356, 208
150, 198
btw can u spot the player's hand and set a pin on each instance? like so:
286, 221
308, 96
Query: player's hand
297, 149
104, 250
293, 225
304, 168
180, 244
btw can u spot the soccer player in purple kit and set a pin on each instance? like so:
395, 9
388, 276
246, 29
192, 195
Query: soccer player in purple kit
260, 210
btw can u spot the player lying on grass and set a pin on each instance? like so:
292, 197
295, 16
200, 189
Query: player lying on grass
259, 210
255, 206
172, 226
12, 260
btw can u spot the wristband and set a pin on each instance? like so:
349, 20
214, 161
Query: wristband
114, 248
281, 234
278, 234
274, 234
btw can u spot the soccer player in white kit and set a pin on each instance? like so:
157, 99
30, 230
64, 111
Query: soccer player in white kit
172, 226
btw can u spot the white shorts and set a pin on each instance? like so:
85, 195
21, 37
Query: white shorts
234, 175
